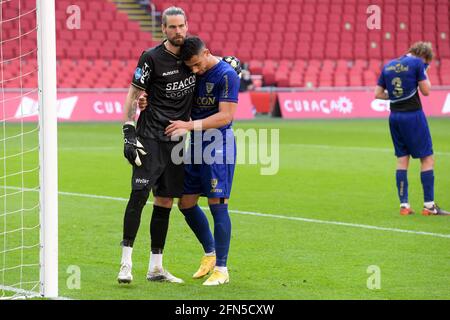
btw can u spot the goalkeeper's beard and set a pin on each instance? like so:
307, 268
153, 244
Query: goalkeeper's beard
176, 44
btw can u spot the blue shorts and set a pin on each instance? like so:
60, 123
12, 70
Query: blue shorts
213, 177
410, 134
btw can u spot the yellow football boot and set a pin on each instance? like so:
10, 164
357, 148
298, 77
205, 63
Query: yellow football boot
207, 264
217, 278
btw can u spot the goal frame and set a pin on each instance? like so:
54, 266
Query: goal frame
48, 151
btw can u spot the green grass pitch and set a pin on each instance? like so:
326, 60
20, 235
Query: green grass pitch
330, 171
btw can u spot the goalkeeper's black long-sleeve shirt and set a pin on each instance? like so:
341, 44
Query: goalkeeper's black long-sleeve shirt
170, 87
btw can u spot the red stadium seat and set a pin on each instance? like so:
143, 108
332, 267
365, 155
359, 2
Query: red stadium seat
95, 6
287, 32
74, 53
346, 50
288, 52
267, 8
261, 37
255, 66
198, 7
90, 53
64, 35
106, 16
87, 16
81, 35
113, 36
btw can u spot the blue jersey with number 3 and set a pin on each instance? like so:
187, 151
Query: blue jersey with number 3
401, 78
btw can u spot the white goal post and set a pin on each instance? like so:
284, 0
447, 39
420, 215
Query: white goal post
48, 154
28, 150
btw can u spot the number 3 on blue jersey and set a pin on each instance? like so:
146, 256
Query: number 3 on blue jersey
398, 90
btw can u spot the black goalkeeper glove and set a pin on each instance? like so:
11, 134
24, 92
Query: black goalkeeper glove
234, 63
132, 147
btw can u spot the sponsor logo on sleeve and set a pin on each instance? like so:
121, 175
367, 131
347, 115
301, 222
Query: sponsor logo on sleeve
138, 73
145, 73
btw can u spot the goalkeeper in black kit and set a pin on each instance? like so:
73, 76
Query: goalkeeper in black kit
169, 87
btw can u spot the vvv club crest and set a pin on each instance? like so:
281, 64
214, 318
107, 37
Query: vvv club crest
209, 87
214, 183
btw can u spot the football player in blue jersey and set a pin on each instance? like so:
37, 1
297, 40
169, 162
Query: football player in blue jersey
215, 102
399, 82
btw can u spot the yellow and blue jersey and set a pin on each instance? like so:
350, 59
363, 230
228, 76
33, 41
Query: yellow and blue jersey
407, 122
218, 84
213, 175
400, 77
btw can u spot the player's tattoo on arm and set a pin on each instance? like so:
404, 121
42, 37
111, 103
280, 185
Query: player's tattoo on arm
131, 104
132, 111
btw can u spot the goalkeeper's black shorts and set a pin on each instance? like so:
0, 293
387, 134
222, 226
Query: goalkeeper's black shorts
158, 172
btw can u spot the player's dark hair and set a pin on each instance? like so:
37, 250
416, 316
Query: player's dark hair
422, 50
172, 11
191, 47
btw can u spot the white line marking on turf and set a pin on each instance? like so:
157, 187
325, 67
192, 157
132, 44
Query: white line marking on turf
350, 148
304, 145
355, 225
90, 148
267, 215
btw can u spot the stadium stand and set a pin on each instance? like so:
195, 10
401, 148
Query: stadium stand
298, 43
101, 54
291, 43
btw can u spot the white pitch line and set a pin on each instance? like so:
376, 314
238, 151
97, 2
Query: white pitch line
301, 145
352, 148
267, 215
347, 224
90, 148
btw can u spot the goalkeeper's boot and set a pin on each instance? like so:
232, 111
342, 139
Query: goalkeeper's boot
217, 278
406, 210
125, 275
161, 275
207, 264
434, 211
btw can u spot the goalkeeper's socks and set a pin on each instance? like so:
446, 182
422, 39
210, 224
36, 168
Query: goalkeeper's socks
222, 232
427, 178
197, 221
126, 255
159, 225
402, 185
133, 212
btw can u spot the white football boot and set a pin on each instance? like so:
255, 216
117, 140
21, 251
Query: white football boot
161, 275
125, 275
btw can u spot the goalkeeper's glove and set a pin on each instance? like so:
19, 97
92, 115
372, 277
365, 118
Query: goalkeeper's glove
132, 147
234, 63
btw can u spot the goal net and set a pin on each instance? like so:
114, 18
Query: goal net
28, 181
